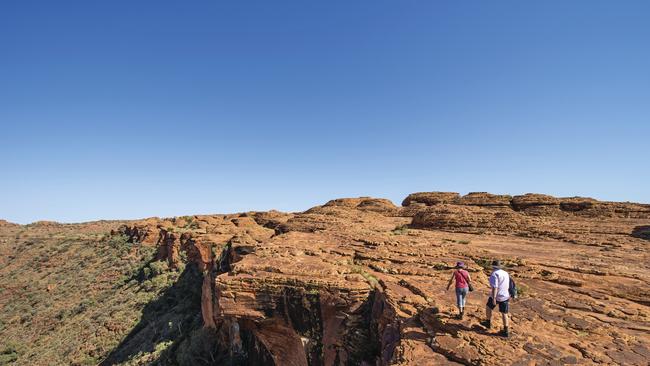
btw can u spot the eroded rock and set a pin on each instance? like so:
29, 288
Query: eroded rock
360, 281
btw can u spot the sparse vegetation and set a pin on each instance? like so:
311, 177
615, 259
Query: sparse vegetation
463, 241
440, 266
485, 263
545, 273
372, 280
9, 353
400, 230
190, 222
523, 290
69, 299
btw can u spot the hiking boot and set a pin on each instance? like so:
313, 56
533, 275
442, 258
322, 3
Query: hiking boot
461, 315
504, 333
486, 323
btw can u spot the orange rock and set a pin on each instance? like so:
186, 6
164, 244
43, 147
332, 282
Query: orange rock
360, 281
430, 198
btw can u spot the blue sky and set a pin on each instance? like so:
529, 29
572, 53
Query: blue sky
128, 109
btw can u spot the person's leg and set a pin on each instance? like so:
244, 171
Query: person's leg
463, 298
504, 309
459, 300
488, 313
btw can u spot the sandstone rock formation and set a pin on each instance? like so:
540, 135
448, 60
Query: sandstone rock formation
430, 198
356, 281
359, 281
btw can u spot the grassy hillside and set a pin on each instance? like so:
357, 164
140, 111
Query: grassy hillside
70, 294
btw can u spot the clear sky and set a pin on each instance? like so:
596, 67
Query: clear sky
128, 109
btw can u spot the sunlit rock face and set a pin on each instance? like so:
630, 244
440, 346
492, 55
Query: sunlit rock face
360, 281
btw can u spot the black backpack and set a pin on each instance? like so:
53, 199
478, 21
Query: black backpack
512, 288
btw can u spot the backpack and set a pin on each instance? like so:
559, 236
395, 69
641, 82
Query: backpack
512, 288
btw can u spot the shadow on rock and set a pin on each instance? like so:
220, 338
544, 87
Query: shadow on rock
642, 232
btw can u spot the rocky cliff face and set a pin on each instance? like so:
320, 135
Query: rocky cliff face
360, 281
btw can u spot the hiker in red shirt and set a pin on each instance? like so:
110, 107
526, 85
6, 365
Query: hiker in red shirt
463, 286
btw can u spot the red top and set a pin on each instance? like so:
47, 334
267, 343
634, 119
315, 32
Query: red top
460, 276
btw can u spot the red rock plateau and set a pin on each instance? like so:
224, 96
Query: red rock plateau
360, 281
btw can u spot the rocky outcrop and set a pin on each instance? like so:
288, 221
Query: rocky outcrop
484, 199
6, 224
470, 219
577, 204
145, 231
430, 198
574, 219
536, 204
531, 204
317, 303
196, 239
380, 205
358, 281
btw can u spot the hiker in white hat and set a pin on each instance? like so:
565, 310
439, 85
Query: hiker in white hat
500, 291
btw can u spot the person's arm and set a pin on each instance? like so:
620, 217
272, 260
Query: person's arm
450, 280
494, 295
494, 286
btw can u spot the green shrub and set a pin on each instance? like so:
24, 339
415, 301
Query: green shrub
158, 268
522, 290
9, 353
484, 262
118, 241
440, 266
400, 230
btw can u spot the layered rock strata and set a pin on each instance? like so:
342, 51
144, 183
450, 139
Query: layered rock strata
362, 282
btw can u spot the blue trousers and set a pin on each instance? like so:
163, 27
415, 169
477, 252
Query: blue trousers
461, 296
